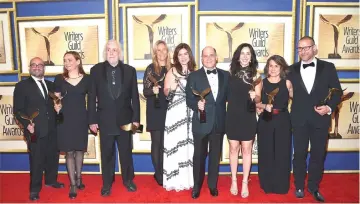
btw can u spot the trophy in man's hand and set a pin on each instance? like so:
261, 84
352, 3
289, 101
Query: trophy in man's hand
328, 97
271, 97
251, 103
345, 97
202, 98
336, 28
155, 83
229, 36
151, 32
31, 120
130, 127
47, 43
57, 100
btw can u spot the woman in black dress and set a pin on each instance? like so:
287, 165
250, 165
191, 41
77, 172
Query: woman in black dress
240, 121
156, 104
73, 85
274, 130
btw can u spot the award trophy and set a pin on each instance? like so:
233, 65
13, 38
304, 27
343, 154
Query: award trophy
336, 28
57, 100
151, 32
251, 103
202, 96
271, 96
336, 134
328, 97
30, 119
229, 36
156, 83
130, 127
47, 42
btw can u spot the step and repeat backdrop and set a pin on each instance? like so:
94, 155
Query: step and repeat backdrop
48, 29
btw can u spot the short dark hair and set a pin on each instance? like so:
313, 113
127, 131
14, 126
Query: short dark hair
284, 67
306, 37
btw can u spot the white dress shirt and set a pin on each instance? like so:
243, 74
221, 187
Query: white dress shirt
39, 85
213, 81
308, 75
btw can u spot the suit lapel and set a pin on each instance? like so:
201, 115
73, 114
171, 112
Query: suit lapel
301, 81
207, 84
319, 69
220, 83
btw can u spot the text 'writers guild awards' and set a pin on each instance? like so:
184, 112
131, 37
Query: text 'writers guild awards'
47, 43
230, 39
57, 100
31, 120
202, 98
150, 31
345, 97
271, 97
156, 83
336, 27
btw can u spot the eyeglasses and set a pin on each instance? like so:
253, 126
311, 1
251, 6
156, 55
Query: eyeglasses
306, 48
33, 65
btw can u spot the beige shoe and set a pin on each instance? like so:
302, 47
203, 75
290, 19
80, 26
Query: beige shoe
234, 187
245, 189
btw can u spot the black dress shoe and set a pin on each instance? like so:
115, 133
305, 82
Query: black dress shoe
72, 193
195, 193
214, 192
299, 193
34, 196
130, 186
56, 185
158, 182
317, 195
105, 191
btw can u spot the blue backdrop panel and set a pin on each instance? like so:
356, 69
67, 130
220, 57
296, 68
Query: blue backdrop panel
245, 5
151, 1
9, 78
6, 5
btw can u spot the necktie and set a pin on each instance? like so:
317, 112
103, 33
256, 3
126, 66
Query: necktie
44, 89
309, 65
211, 71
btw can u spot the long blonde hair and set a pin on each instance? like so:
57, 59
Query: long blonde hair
157, 67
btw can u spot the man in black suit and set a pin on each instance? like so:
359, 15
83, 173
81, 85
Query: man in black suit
31, 95
212, 131
116, 93
311, 79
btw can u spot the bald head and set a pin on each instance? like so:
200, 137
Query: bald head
208, 57
37, 67
208, 48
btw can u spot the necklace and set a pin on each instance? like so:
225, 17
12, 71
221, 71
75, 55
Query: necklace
75, 77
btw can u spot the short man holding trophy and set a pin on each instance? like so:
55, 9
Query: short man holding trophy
114, 108
206, 95
312, 80
34, 109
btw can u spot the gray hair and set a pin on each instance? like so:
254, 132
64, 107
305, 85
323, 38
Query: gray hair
118, 44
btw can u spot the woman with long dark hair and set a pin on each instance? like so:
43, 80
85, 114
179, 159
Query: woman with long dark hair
240, 120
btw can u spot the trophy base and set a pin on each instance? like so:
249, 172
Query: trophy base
147, 56
202, 117
33, 138
333, 136
49, 63
251, 105
227, 60
59, 118
334, 56
267, 116
157, 103
321, 104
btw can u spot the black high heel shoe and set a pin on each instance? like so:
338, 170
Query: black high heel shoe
79, 184
72, 193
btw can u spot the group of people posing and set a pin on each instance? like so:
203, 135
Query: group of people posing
188, 112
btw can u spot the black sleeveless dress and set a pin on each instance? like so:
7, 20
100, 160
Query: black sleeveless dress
274, 141
240, 123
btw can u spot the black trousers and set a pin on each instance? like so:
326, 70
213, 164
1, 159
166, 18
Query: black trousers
318, 138
107, 145
215, 141
157, 153
44, 156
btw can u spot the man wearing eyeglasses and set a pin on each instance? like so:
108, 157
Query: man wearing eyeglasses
30, 97
311, 78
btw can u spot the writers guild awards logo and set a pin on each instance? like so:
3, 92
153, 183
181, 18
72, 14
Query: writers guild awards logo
345, 97
47, 42
151, 32
230, 39
336, 28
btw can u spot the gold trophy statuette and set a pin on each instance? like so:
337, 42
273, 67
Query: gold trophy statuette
156, 83
151, 32
57, 100
130, 127
47, 43
328, 97
229, 36
202, 98
271, 98
30, 119
251, 103
336, 28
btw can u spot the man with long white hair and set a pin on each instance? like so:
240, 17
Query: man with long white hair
115, 91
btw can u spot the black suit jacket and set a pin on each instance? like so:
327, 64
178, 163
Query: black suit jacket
215, 110
302, 108
28, 99
127, 105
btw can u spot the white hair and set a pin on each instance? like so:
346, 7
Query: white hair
118, 44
